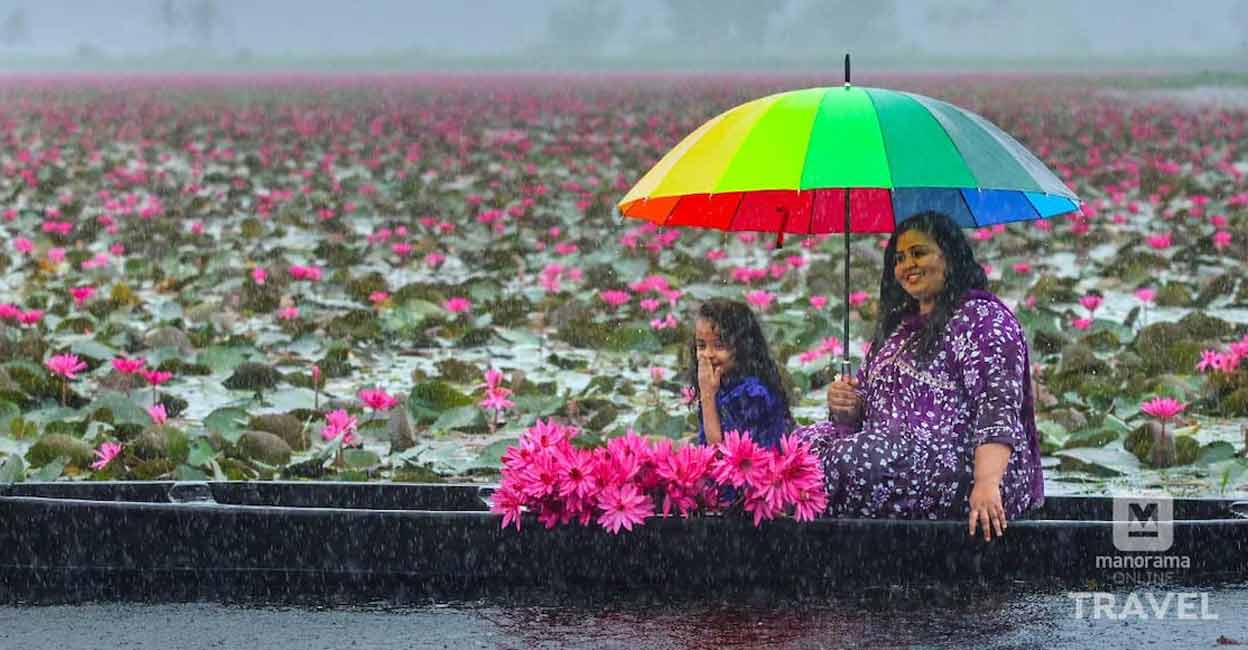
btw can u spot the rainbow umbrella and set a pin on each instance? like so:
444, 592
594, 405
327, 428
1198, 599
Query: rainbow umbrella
845, 159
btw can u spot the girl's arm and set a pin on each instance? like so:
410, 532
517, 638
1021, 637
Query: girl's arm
710, 419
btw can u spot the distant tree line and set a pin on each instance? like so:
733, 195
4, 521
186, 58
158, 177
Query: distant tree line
717, 28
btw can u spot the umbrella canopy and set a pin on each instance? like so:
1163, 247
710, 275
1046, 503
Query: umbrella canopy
783, 164
845, 159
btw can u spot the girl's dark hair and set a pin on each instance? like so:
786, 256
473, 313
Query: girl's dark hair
962, 273
740, 331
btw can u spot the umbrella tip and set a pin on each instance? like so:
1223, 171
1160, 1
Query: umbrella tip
847, 70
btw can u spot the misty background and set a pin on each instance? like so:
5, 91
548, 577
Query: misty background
423, 34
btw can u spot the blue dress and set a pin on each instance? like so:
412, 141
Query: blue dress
746, 404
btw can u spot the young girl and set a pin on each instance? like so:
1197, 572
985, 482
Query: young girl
735, 381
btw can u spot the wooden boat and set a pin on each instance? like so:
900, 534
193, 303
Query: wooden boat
196, 539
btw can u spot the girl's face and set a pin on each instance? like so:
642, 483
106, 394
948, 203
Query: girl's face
920, 267
712, 349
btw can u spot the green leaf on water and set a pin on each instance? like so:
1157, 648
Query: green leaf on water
1229, 474
201, 454
1052, 436
224, 359
430, 399
538, 405
360, 458
13, 470
461, 418
8, 411
124, 409
492, 455
1215, 452
51, 471
93, 349
1099, 461
188, 473
657, 422
228, 422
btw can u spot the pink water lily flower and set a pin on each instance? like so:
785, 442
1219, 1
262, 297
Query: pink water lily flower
157, 413
105, 455
65, 365
340, 424
818, 302
760, 299
156, 377
1159, 242
857, 298
1221, 239
1145, 295
259, 275
1163, 408
310, 273
623, 507
457, 305
377, 399
81, 294
742, 462
614, 297
1091, 302
129, 366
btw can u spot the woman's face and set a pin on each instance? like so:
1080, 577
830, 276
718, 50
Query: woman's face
920, 267
711, 348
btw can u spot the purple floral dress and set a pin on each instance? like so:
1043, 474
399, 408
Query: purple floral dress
912, 457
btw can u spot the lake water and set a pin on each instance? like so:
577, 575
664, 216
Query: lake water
1000, 618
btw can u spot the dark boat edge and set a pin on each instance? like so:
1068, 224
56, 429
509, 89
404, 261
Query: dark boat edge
180, 540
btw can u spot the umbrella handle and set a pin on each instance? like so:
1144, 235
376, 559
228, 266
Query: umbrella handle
847, 69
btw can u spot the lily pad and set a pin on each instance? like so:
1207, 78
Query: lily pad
228, 422
538, 405
52, 470
1215, 452
201, 454
1099, 461
462, 418
491, 456
360, 458
123, 409
225, 359
13, 470
428, 400
657, 422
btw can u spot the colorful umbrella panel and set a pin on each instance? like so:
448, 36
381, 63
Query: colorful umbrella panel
783, 164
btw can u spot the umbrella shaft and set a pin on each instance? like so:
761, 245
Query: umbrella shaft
845, 365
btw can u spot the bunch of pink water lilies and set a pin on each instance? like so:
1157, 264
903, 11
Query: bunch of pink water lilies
632, 478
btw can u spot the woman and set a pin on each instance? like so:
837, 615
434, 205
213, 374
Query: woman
939, 422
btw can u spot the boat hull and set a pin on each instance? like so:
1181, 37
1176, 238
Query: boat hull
222, 538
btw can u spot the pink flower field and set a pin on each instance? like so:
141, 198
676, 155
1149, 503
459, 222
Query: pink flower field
202, 273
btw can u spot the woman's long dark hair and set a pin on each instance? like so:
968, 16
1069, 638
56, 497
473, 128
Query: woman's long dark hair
962, 273
739, 330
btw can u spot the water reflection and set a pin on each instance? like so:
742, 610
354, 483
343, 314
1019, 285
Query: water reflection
1016, 616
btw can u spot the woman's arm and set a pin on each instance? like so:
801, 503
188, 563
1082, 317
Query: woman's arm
990, 351
987, 510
